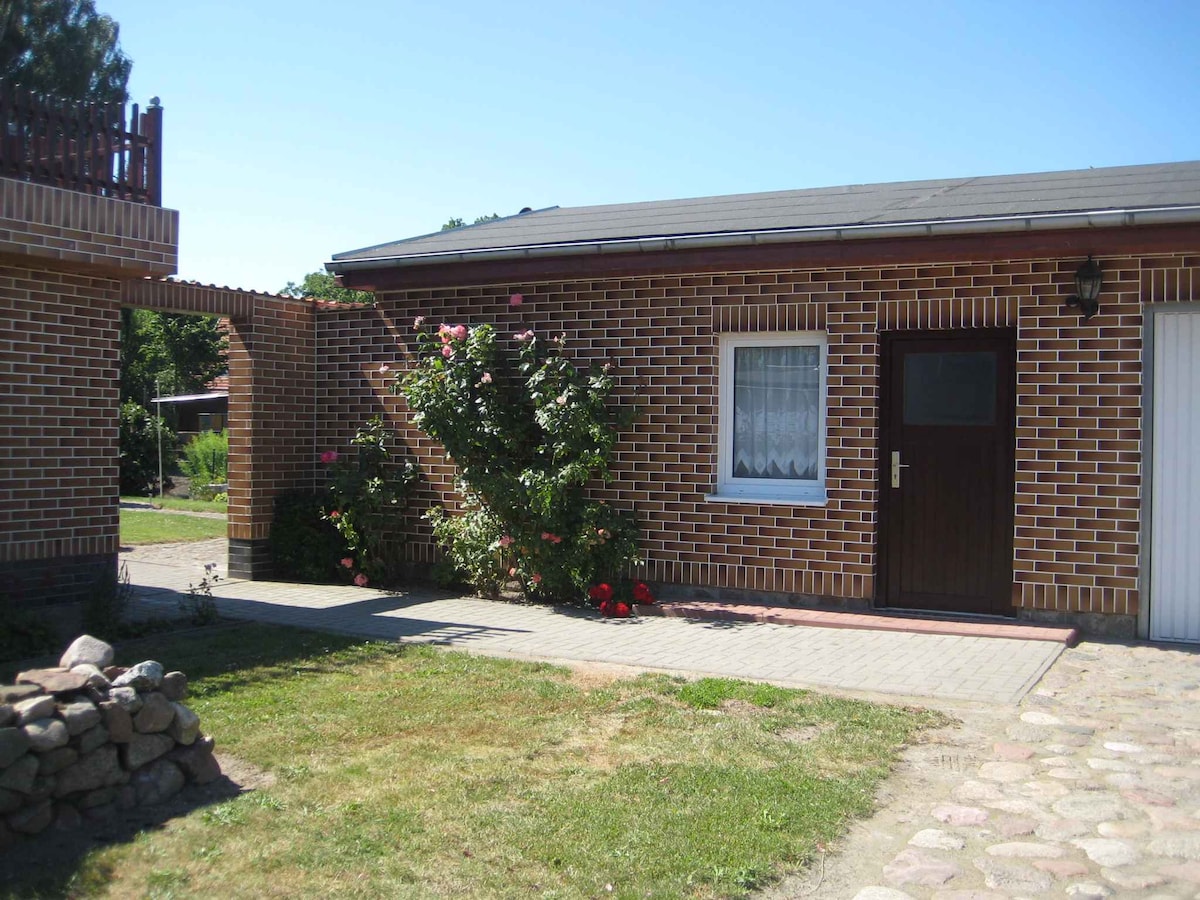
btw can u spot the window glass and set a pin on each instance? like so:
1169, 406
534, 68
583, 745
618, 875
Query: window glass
776, 412
950, 388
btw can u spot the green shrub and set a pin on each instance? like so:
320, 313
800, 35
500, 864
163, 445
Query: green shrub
139, 445
304, 545
527, 431
24, 633
106, 608
205, 461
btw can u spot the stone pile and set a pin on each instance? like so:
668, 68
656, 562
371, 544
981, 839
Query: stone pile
87, 738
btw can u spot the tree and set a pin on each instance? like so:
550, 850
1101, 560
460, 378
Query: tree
64, 48
459, 223
324, 286
168, 353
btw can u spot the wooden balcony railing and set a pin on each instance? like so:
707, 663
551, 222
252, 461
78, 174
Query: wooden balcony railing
82, 147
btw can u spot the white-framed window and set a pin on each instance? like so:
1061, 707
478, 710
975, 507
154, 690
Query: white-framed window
771, 422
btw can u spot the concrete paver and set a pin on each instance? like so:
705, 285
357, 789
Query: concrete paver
921, 665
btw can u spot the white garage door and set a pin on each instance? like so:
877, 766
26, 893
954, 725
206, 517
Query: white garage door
1175, 477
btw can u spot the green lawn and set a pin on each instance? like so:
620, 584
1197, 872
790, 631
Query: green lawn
181, 504
148, 527
407, 771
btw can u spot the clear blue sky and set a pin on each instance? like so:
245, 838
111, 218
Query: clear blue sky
298, 129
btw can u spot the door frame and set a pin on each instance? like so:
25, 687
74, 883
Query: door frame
1150, 314
887, 342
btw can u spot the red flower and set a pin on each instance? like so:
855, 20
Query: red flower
360, 579
620, 610
641, 593
605, 606
601, 593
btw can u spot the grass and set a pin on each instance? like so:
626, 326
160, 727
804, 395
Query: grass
147, 527
407, 771
182, 504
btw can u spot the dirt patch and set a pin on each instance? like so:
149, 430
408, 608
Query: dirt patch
59, 851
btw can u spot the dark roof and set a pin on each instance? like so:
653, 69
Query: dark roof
985, 201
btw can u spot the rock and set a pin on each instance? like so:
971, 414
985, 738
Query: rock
881, 893
15, 693
197, 761
157, 782
117, 720
1025, 850
66, 817
1061, 868
127, 698
1091, 806
1013, 877
43, 787
145, 748
8, 715
95, 677
936, 839
1184, 845
952, 814
57, 760
1012, 752
87, 649
32, 819
10, 801
1123, 747
145, 676
98, 797
13, 743
40, 707
98, 769
1016, 827
156, 714
46, 734
1062, 829
1040, 718
185, 727
126, 797
1005, 771
79, 716
915, 867
175, 686
20, 775
92, 739
1107, 851
1134, 881
1089, 890
54, 681
111, 672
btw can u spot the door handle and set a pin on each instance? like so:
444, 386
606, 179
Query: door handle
896, 467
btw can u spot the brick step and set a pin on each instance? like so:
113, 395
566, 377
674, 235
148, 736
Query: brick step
871, 621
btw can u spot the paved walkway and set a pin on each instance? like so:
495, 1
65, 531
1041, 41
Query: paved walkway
1068, 773
914, 665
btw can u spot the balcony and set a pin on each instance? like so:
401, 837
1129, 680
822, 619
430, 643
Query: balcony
82, 147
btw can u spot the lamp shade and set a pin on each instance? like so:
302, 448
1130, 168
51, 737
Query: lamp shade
1088, 279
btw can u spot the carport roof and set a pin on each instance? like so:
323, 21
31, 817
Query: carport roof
1126, 195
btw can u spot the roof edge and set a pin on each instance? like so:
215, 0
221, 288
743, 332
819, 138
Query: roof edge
1101, 218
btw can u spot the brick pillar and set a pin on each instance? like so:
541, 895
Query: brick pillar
272, 367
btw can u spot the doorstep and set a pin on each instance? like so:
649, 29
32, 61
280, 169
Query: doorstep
871, 621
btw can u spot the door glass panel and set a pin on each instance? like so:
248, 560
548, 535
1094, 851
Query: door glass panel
950, 388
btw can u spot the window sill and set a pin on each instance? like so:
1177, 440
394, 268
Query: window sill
765, 499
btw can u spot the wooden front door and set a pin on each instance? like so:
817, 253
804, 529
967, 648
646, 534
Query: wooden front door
947, 417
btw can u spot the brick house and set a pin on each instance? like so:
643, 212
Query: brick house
872, 395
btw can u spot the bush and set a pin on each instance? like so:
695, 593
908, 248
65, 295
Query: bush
304, 546
205, 461
139, 445
527, 432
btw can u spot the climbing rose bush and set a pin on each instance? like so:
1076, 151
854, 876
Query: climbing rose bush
527, 431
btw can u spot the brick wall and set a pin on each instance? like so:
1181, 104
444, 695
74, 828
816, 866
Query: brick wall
1078, 410
59, 357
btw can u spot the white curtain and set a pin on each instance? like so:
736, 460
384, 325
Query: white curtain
776, 411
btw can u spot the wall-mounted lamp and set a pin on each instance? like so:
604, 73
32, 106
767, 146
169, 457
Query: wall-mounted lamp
1088, 279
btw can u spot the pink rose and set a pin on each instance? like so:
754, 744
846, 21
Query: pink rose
418, 322
486, 379
459, 332
526, 335
516, 300
536, 579
512, 572
506, 541
329, 456
561, 399
384, 369
360, 579
447, 351
348, 563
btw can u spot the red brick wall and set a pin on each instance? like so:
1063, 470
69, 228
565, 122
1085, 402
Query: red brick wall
59, 357
1078, 474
